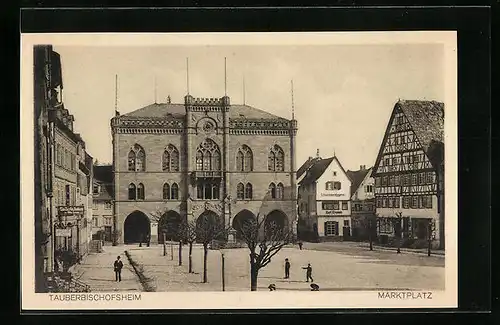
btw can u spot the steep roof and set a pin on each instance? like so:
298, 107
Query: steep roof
426, 119
103, 173
357, 177
316, 170
305, 166
178, 111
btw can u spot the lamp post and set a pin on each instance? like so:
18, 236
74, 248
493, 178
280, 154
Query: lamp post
223, 270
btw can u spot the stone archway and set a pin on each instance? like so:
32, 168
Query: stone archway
169, 223
240, 220
207, 222
136, 227
275, 220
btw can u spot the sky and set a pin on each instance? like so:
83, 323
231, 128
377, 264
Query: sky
343, 94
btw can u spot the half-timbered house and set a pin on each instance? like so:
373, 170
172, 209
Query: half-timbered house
409, 170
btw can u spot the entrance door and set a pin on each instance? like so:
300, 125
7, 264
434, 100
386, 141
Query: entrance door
346, 232
107, 233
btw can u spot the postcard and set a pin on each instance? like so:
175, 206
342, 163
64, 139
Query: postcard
239, 170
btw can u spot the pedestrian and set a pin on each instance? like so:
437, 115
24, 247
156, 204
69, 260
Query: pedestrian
300, 245
118, 265
287, 269
148, 239
309, 271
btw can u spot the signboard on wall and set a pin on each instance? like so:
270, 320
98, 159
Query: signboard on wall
70, 210
63, 232
329, 212
333, 194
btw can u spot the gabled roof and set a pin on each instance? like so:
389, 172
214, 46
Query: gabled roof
357, 177
103, 175
305, 166
318, 168
426, 119
179, 111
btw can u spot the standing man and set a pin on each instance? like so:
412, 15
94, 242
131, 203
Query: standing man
118, 265
287, 269
309, 271
300, 245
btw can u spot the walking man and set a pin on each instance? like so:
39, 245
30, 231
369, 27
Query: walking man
287, 269
118, 265
309, 271
300, 245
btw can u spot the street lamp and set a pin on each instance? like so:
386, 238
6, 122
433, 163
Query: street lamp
222, 252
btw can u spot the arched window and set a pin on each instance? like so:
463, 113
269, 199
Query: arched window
272, 189
132, 192
248, 191
166, 191
240, 166
215, 191
137, 159
131, 161
276, 159
170, 161
240, 191
208, 156
244, 159
279, 191
175, 191
140, 191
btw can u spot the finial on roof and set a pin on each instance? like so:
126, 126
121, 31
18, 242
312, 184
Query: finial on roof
187, 75
169, 100
116, 95
155, 91
317, 153
293, 104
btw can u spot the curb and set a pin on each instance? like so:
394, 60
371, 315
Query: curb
145, 282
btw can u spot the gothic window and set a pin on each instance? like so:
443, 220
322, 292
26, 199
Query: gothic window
240, 165
132, 192
240, 191
244, 159
166, 191
137, 159
140, 191
175, 191
271, 161
248, 191
199, 160
272, 189
276, 159
279, 191
208, 156
170, 161
131, 161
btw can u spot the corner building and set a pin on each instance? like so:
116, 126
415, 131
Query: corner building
202, 158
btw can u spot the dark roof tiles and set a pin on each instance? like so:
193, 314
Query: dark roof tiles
357, 177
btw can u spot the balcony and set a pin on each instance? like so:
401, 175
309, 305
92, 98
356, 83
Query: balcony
207, 174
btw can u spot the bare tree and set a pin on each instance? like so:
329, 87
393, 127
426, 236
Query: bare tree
396, 222
431, 230
264, 241
208, 229
157, 216
370, 224
187, 232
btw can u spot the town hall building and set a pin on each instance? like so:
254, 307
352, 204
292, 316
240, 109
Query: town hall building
204, 158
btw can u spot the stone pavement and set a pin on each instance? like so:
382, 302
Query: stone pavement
335, 268
96, 270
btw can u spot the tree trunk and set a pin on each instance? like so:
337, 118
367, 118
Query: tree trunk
180, 253
254, 274
205, 254
190, 257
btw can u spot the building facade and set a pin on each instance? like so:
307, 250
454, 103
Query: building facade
202, 158
61, 172
409, 172
324, 200
362, 202
102, 211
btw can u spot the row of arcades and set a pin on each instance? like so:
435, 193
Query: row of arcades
138, 227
